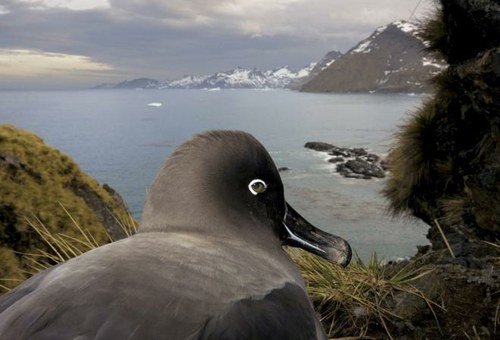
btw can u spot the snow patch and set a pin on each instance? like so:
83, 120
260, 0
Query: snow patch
328, 64
432, 63
362, 47
406, 26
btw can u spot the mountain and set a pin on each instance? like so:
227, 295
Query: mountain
240, 78
187, 82
326, 61
139, 83
237, 78
392, 59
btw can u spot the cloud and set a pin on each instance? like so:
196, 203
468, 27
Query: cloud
4, 10
166, 39
29, 63
32, 69
69, 4
264, 17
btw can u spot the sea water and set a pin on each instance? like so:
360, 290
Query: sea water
119, 138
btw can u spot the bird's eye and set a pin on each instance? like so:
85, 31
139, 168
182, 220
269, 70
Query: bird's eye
257, 186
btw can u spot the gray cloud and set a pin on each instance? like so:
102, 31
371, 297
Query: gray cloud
166, 39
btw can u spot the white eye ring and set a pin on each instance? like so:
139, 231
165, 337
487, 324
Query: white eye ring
256, 190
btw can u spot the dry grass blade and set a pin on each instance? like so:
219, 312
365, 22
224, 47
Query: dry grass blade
129, 227
63, 246
444, 238
95, 244
351, 300
5, 288
497, 317
46, 235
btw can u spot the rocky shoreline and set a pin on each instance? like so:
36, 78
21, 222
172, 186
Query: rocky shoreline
462, 283
352, 162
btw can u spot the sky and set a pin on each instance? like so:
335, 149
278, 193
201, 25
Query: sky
72, 44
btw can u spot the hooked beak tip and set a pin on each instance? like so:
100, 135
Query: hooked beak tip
302, 234
340, 253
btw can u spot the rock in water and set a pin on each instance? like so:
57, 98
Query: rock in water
351, 163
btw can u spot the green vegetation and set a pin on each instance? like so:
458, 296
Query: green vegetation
37, 181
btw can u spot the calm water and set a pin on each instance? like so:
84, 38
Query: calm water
120, 140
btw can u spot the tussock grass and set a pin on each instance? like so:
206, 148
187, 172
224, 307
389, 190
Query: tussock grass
59, 247
37, 179
351, 301
10, 273
62, 246
410, 161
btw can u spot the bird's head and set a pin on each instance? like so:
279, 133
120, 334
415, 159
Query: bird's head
225, 182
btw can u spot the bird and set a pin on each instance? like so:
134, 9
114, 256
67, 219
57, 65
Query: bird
207, 261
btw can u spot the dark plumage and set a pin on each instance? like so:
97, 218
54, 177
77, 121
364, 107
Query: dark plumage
207, 262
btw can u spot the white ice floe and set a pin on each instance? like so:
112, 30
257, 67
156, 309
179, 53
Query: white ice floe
155, 104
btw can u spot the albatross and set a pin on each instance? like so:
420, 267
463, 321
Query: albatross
206, 263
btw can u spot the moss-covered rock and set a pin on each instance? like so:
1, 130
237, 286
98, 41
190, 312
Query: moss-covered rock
37, 181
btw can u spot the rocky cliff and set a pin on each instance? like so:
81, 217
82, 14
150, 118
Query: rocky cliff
37, 184
392, 59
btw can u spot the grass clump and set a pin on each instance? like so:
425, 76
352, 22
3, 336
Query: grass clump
360, 299
10, 273
36, 178
63, 247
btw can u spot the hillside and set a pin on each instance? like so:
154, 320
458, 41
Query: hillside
326, 61
390, 60
37, 182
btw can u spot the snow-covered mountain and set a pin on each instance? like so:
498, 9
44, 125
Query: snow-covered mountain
237, 78
392, 59
186, 82
242, 78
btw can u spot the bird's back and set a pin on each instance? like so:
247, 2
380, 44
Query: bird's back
162, 285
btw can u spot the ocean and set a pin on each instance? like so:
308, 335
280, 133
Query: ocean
119, 138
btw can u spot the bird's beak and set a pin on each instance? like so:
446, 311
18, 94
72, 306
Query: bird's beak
302, 234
